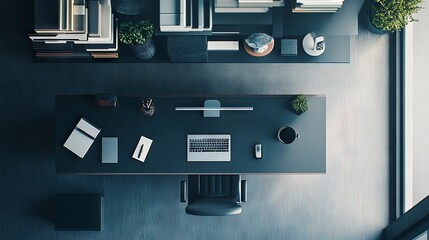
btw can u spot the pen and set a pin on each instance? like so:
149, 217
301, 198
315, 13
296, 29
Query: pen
141, 150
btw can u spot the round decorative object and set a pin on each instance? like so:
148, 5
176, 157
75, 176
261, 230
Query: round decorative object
287, 135
250, 51
313, 45
144, 51
259, 44
149, 112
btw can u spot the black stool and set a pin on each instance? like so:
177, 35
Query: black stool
79, 212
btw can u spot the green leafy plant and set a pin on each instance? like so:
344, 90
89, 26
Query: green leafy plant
392, 15
132, 33
300, 104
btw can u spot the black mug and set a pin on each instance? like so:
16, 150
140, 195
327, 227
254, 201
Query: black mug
287, 135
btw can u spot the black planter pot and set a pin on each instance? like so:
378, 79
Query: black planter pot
292, 109
372, 28
296, 112
127, 7
144, 51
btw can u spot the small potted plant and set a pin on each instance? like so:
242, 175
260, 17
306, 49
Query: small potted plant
391, 15
299, 104
138, 35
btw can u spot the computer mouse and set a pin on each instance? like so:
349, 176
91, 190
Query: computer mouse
258, 151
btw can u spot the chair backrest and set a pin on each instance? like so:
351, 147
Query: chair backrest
214, 195
219, 185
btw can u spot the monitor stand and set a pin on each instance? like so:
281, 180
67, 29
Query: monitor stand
212, 104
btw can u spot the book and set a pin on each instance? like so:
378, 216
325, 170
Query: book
223, 46
94, 18
241, 10
105, 55
81, 138
60, 54
313, 6
106, 36
106, 47
142, 149
109, 150
42, 45
295, 10
289, 47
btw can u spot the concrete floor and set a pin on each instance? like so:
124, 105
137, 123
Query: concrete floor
349, 202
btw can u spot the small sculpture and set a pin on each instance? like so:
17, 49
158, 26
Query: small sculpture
313, 44
259, 42
148, 108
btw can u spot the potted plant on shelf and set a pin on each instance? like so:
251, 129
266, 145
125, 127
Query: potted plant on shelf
138, 35
299, 104
391, 15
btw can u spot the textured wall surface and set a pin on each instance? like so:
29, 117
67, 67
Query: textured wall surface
420, 114
349, 202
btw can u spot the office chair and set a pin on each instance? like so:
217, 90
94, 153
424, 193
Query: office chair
214, 195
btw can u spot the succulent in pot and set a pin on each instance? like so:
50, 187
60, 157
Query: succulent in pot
299, 104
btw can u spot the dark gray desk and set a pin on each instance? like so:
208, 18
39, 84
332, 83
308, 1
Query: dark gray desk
169, 128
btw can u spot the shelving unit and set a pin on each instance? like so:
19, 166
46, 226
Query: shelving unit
276, 22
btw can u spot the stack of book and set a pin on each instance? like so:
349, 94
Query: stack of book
86, 28
317, 6
246, 6
185, 15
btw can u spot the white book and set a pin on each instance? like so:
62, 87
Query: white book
81, 138
106, 28
142, 149
47, 31
175, 29
223, 46
106, 37
108, 49
257, 4
55, 42
258, 1
312, 11
226, 3
319, 2
88, 128
319, 6
183, 13
241, 10
71, 36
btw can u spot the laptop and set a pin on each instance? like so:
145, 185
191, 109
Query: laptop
207, 148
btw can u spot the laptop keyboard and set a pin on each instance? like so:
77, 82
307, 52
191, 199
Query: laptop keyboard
208, 145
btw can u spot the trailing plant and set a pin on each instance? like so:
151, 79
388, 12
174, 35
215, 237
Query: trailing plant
132, 33
300, 104
392, 15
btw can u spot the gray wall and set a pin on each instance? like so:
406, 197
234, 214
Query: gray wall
420, 105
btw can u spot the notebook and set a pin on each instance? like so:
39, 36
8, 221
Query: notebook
81, 138
142, 149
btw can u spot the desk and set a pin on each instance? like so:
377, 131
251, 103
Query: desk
169, 128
